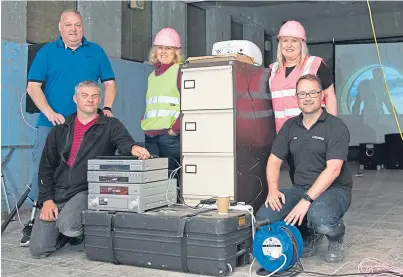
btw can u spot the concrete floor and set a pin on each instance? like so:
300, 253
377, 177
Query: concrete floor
374, 229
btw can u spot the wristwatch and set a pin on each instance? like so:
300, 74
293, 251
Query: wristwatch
107, 108
307, 198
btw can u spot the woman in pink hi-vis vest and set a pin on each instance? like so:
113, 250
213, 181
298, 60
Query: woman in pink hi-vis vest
294, 61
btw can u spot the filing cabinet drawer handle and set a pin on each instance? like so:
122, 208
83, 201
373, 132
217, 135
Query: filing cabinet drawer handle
189, 84
190, 126
191, 168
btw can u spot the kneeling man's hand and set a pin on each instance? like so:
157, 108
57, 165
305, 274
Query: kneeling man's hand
140, 152
49, 211
298, 213
273, 199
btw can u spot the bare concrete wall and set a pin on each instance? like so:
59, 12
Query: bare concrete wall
254, 33
43, 18
256, 16
136, 32
218, 27
255, 24
14, 20
325, 29
318, 29
102, 22
170, 14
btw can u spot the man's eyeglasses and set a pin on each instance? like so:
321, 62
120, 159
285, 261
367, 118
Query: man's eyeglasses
312, 94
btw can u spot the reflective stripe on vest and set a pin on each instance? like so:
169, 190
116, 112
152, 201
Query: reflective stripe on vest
283, 90
283, 93
273, 71
163, 99
161, 113
308, 65
287, 113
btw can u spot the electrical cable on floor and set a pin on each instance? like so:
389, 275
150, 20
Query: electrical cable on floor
383, 71
272, 273
367, 267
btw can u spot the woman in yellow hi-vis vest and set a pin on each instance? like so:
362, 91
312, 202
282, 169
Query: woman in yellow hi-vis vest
160, 122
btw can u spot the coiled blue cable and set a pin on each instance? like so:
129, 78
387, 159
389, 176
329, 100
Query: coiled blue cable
275, 239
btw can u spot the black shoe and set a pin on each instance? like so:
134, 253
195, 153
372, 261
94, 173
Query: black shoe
61, 241
335, 252
76, 240
311, 245
262, 272
26, 233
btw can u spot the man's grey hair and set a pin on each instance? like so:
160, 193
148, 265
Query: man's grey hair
86, 84
71, 11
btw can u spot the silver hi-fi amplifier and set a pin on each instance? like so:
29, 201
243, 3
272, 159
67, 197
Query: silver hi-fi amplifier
127, 177
136, 198
125, 163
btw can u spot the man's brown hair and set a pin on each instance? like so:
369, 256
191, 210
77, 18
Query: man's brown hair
310, 77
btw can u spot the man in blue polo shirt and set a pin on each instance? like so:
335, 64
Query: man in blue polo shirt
61, 65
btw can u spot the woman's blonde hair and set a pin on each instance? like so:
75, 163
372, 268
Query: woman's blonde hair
281, 59
154, 60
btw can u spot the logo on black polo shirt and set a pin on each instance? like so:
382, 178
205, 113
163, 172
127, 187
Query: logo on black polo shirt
316, 137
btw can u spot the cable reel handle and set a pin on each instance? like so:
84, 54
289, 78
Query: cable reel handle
259, 224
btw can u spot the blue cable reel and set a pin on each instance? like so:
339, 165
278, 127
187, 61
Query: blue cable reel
275, 239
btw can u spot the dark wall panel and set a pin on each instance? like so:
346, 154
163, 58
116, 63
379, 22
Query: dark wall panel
136, 32
325, 51
43, 18
236, 30
196, 31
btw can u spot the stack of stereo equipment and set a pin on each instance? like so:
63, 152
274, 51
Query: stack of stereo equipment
124, 183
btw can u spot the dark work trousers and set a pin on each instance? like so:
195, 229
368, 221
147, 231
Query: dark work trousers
47, 237
166, 146
325, 215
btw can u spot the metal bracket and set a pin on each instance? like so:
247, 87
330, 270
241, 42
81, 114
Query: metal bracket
3, 163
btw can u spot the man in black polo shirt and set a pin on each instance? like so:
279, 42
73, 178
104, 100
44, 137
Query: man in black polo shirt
321, 194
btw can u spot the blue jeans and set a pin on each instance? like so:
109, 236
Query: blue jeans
42, 132
325, 215
165, 146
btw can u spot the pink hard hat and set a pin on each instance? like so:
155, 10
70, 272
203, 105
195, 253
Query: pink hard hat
292, 29
168, 37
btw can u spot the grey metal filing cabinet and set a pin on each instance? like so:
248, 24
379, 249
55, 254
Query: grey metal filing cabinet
227, 129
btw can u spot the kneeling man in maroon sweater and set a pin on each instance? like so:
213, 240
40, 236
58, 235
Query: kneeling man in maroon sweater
63, 186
